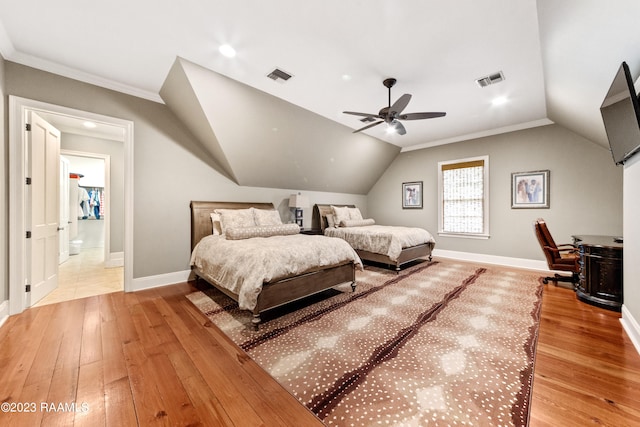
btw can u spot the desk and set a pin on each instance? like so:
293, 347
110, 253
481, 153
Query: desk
600, 271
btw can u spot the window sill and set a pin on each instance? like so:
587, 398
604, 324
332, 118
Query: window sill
464, 235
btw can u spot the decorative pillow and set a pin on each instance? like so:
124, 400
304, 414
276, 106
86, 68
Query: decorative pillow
215, 221
239, 233
354, 213
357, 222
331, 223
340, 214
234, 218
266, 217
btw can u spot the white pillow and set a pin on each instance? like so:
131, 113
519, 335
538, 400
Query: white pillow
240, 233
233, 218
357, 222
340, 214
264, 217
354, 213
215, 222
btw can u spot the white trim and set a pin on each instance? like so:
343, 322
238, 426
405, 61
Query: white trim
114, 259
464, 235
526, 264
149, 282
631, 327
62, 70
4, 312
18, 107
481, 134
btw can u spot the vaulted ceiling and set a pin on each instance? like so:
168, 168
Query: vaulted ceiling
557, 57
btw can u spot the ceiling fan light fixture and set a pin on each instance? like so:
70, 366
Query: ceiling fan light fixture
392, 114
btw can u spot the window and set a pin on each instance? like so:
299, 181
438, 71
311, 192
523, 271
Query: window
463, 193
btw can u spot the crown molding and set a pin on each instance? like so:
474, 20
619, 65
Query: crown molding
9, 53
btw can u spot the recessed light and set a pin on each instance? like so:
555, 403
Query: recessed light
499, 100
227, 51
89, 125
346, 77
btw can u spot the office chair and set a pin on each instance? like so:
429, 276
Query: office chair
563, 257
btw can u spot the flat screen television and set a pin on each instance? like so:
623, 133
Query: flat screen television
620, 112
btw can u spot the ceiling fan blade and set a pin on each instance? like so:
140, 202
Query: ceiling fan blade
368, 126
420, 116
355, 113
400, 104
400, 130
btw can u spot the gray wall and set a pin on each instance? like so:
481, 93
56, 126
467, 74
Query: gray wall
169, 170
585, 192
4, 191
632, 240
115, 150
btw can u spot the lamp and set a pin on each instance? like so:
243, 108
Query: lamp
298, 201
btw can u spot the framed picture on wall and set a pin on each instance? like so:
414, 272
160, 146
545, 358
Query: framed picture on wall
530, 190
412, 195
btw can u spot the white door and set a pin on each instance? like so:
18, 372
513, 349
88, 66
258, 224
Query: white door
43, 153
65, 222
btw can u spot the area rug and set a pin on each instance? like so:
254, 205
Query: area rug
441, 343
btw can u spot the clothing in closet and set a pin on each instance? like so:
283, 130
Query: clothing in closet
83, 200
94, 202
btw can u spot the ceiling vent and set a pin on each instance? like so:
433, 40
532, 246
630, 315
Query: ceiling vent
279, 75
490, 79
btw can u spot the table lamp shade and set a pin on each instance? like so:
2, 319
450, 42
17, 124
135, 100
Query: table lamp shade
298, 201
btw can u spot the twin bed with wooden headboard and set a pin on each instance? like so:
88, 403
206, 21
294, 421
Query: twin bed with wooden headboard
391, 245
280, 266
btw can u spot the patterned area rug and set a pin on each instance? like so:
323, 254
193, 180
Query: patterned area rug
439, 344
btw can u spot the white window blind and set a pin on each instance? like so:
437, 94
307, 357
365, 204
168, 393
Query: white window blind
463, 197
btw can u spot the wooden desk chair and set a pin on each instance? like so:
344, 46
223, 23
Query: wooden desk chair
559, 257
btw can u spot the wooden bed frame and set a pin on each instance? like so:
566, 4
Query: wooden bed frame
278, 292
408, 254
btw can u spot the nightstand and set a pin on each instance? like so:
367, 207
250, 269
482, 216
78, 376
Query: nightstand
310, 231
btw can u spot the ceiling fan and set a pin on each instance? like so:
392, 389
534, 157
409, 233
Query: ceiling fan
393, 113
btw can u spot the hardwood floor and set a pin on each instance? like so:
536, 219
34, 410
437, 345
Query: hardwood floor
151, 358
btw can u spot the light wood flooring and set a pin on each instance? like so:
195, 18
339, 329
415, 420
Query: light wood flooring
151, 358
84, 275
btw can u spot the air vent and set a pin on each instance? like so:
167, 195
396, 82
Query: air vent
367, 119
279, 75
490, 79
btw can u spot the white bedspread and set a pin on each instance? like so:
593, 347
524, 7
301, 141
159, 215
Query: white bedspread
382, 239
242, 266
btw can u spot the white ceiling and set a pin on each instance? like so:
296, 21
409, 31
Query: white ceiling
558, 56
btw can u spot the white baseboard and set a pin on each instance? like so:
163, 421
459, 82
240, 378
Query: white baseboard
4, 312
116, 259
160, 280
527, 264
631, 327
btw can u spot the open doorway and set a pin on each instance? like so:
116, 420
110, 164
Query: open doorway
91, 268
19, 108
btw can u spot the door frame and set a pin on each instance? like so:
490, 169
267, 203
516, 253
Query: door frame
108, 262
63, 244
18, 111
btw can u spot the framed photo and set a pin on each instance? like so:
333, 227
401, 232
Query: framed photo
530, 190
412, 195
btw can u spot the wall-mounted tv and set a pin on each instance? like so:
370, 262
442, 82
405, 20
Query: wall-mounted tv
621, 116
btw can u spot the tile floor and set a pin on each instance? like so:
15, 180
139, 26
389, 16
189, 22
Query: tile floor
84, 275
